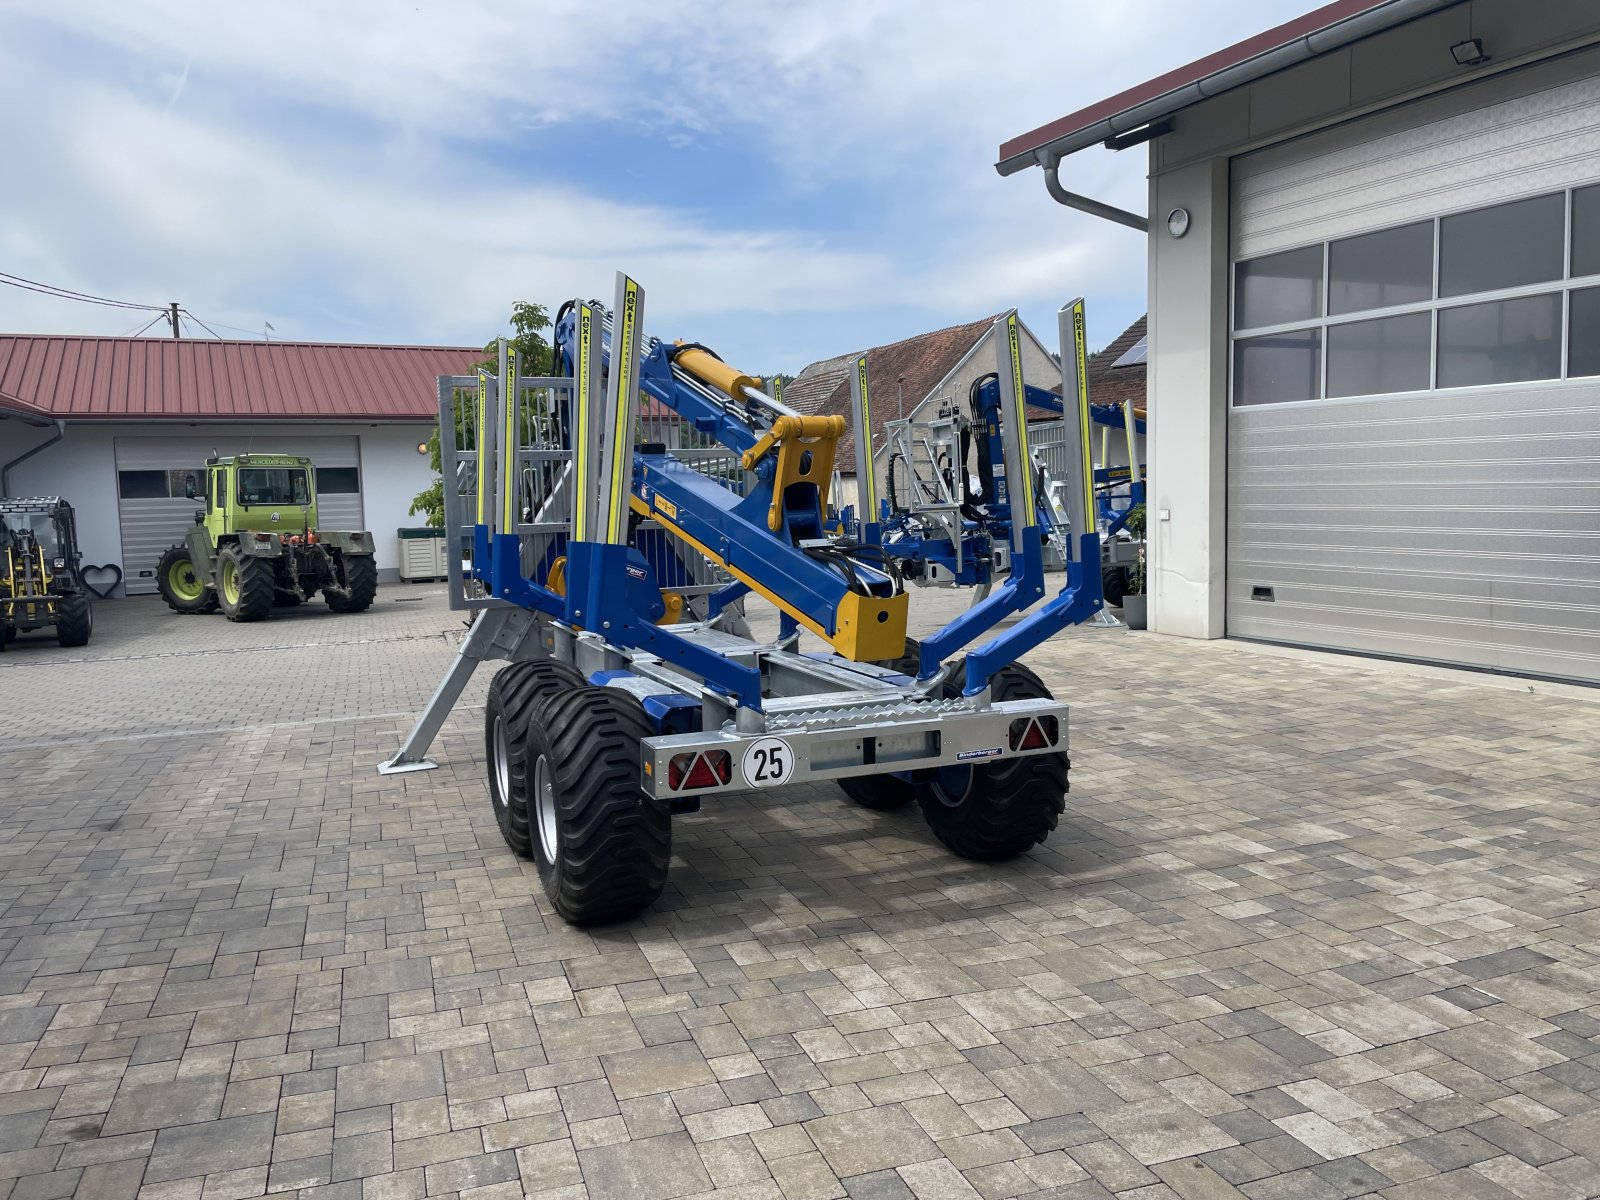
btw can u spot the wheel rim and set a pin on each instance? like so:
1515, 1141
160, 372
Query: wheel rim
185, 584
230, 581
951, 785
544, 802
502, 765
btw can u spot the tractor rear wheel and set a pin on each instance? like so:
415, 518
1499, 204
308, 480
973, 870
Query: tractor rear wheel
360, 584
602, 846
181, 586
514, 694
245, 585
999, 809
74, 620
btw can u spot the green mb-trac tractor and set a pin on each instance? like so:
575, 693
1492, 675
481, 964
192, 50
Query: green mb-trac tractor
256, 545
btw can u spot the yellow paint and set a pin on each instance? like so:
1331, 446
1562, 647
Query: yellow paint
674, 603
872, 628
796, 438
869, 485
622, 366
583, 479
1014, 344
508, 446
709, 369
484, 452
1080, 349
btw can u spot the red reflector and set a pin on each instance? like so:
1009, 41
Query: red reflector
707, 769
677, 769
1034, 733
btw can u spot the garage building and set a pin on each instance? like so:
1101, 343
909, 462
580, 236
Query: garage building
1374, 270
120, 426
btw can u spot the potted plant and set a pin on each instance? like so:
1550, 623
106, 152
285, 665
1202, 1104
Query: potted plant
1134, 611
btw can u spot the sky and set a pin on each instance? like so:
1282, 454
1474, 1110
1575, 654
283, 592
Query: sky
787, 181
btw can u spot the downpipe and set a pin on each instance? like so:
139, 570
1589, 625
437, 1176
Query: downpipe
1095, 208
5, 471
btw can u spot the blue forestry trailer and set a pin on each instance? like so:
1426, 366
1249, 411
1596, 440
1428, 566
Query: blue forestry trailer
946, 518
610, 573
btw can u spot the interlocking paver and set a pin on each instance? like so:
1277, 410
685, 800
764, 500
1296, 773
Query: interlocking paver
1310, 927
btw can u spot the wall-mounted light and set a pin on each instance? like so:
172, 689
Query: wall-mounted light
1178, 222
1469, 53
422, 447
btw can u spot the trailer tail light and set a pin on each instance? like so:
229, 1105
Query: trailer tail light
699, 769
1035, 733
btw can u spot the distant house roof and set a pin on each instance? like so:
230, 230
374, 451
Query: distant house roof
123, 379
923, 361
1111, 381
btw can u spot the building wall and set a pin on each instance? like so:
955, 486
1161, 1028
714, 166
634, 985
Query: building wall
1188, 277
82, 468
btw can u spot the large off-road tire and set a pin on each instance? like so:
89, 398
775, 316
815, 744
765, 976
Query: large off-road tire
245, 585
602, 846
74, 620
360, 584
999, 809
181, 585
514, 694
885, 793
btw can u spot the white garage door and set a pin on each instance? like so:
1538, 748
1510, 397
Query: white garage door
1414, 432
156, 513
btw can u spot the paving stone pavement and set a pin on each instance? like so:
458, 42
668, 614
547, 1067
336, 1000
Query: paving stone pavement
1310, 928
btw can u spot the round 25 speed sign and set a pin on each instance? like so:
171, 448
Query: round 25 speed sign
768, 762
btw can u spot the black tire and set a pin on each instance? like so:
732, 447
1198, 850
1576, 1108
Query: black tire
1114, 585
74, 620
880, 793
515, 692
1000, 809
175, 561
256, 584
885, 793
360, 584
612, 844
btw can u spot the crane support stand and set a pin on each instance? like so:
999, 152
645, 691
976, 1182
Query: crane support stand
612, 517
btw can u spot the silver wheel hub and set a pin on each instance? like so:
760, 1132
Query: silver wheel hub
544, 803
502, 765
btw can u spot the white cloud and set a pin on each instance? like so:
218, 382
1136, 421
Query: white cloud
162, 177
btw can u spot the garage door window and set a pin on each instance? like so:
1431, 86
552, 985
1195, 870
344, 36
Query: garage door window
160, 485
1508, 293
338, 481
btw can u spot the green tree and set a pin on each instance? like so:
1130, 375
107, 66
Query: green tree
535, 356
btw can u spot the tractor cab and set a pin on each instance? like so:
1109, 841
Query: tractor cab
274, 493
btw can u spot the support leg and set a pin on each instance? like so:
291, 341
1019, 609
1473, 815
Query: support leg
480, 643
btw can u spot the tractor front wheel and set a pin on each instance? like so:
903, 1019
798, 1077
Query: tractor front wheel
74, 620
360, 584
998, 810
181, 586
515, 692
245, 585
602, 846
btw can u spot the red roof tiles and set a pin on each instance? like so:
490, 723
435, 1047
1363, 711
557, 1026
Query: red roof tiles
118, 379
